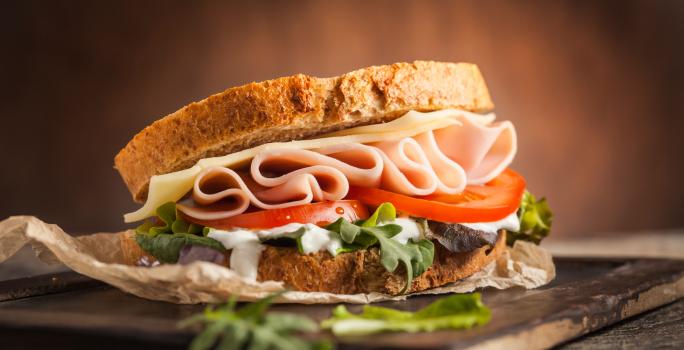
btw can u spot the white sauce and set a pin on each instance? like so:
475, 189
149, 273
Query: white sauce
247, 247
246, 244
510, 223
409, 230
246, 250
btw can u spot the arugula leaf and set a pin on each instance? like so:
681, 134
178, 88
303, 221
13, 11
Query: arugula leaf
251, 328
415, 256
347, 231
535, 220
427, 253
352, 233
457, 311
166, 247
351, 236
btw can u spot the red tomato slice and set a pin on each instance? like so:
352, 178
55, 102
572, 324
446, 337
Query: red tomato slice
478, 203
321, 214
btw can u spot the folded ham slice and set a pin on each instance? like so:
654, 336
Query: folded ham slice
438, 161
483, 151
407, 169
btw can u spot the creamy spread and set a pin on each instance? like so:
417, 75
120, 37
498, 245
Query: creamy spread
409, 230
509, 223
245, 250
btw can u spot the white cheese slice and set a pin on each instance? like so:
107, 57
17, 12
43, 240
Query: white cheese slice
173, 186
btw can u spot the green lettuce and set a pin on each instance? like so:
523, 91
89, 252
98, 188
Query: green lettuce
166, 247
457, 311
535, 220
170, 223
250, 327
384, 213
164, 237
416, 257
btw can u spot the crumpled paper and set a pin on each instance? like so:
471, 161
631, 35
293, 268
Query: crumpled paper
99, 256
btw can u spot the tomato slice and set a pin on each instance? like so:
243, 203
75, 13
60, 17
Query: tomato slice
478, 203
321, 214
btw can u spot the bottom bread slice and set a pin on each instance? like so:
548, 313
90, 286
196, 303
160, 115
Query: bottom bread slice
350, 273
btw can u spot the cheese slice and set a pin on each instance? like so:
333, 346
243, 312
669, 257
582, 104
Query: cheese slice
173, 186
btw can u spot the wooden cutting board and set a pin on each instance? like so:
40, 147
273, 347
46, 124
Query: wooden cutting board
69, 310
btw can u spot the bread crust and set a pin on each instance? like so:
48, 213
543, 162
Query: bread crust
351, 273
295, 107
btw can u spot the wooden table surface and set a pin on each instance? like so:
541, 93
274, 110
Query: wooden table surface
659, 328
662, 328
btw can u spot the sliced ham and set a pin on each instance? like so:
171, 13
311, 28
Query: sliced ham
471, 151
212, 204
407, 169
217, 193
450, 175
483, 151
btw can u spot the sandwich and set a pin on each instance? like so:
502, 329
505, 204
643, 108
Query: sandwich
391, 179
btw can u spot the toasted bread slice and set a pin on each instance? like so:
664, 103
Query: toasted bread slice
350, 273
295, 107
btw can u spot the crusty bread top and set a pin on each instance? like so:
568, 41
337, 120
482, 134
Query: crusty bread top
295, 107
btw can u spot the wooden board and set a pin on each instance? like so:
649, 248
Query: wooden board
69, 310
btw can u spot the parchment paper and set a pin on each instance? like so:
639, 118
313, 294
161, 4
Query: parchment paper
99, 256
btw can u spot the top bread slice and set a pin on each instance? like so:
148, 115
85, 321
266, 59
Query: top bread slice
293, 108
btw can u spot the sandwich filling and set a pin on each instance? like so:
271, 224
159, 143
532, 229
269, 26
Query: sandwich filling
246, 244
434, 162
440, 176
418, 154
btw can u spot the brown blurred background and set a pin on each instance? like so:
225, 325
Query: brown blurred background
594, 88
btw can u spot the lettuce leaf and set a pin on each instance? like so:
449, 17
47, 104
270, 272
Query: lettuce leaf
170, 222
457, 311
166, 247
415, 256
384, 213
165, 236
535, 220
